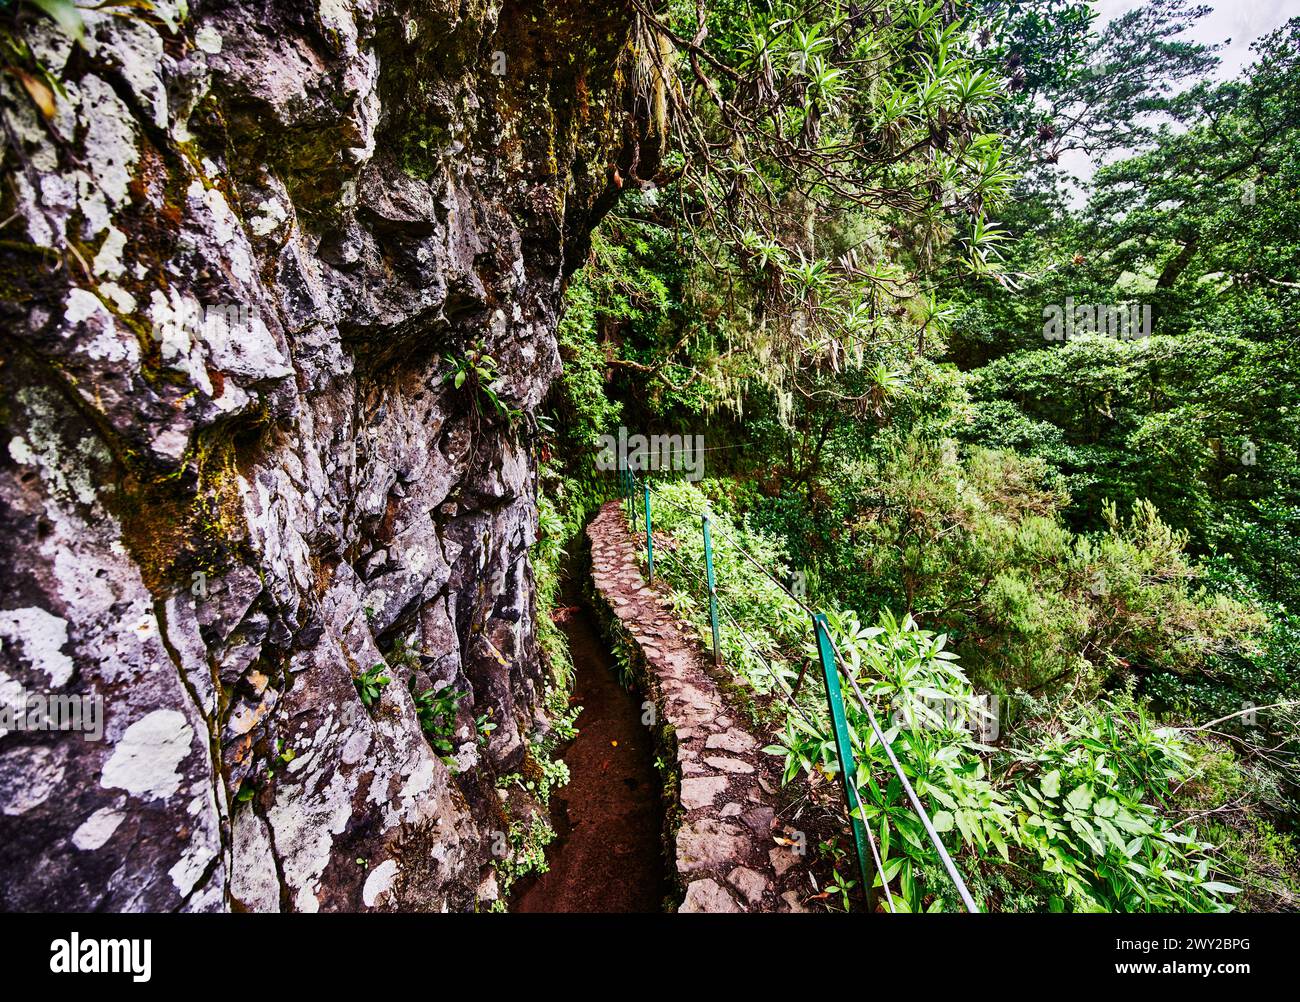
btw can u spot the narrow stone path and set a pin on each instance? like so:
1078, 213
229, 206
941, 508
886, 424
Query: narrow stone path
725, 855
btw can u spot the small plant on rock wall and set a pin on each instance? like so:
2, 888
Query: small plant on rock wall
436, 710
477, 370
484, 725
623, 663
527, 841
403, 655
564, 725
249, 786
283, 754
540, 777
370, 684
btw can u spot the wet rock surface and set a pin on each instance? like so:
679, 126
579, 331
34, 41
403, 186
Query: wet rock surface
245, 253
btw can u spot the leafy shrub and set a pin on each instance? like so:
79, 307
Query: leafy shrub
1069, 815
371, 683
436, 710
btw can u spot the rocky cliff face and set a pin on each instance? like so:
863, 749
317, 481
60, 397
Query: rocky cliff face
247, 247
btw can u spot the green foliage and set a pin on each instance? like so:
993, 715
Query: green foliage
547, 554
526, 843
64, 13
436, 710
746, 598
526, 839
1091, 816
1070, 811
477, 371
919, 694
976, 545
1079, 84
371, 684
1100, 531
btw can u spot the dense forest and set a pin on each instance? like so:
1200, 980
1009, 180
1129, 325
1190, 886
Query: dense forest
1028, 443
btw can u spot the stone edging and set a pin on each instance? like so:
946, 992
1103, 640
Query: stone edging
722, 787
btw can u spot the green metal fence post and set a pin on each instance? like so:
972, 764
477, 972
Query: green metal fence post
649, 539
844, 748
713, 589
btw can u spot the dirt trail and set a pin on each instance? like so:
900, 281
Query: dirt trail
608, 856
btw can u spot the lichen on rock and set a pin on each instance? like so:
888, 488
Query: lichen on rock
246, 249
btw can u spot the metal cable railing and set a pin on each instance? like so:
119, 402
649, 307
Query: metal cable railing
907, 786
834, 668
678, 560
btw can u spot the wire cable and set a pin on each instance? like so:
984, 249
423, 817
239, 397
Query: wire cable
915, 800
911, 793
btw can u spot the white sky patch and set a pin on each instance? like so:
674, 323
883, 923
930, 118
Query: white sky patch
1237, 23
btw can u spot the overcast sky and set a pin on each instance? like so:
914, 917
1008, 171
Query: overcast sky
1236, 22
1243, 21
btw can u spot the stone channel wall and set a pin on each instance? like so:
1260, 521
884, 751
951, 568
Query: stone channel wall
721, 825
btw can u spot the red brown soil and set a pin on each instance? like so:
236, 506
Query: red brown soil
607, 857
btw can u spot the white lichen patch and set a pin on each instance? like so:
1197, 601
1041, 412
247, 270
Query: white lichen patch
208, 39
111, 151
419, 782
272, 508
50, 45
304, 822
245, 350
169, 313
270, 214
85, 310
224, 226
42, 637
97, 829
138, 50
378, 883
189, 869
146, 758
253, 881
108, 262
355, 748
21, 452
123, 300
29, 776
66, 477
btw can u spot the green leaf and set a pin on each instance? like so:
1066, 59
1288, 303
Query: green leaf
943, 821
1106, 807
1079, 799
65, 14
1051, 784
